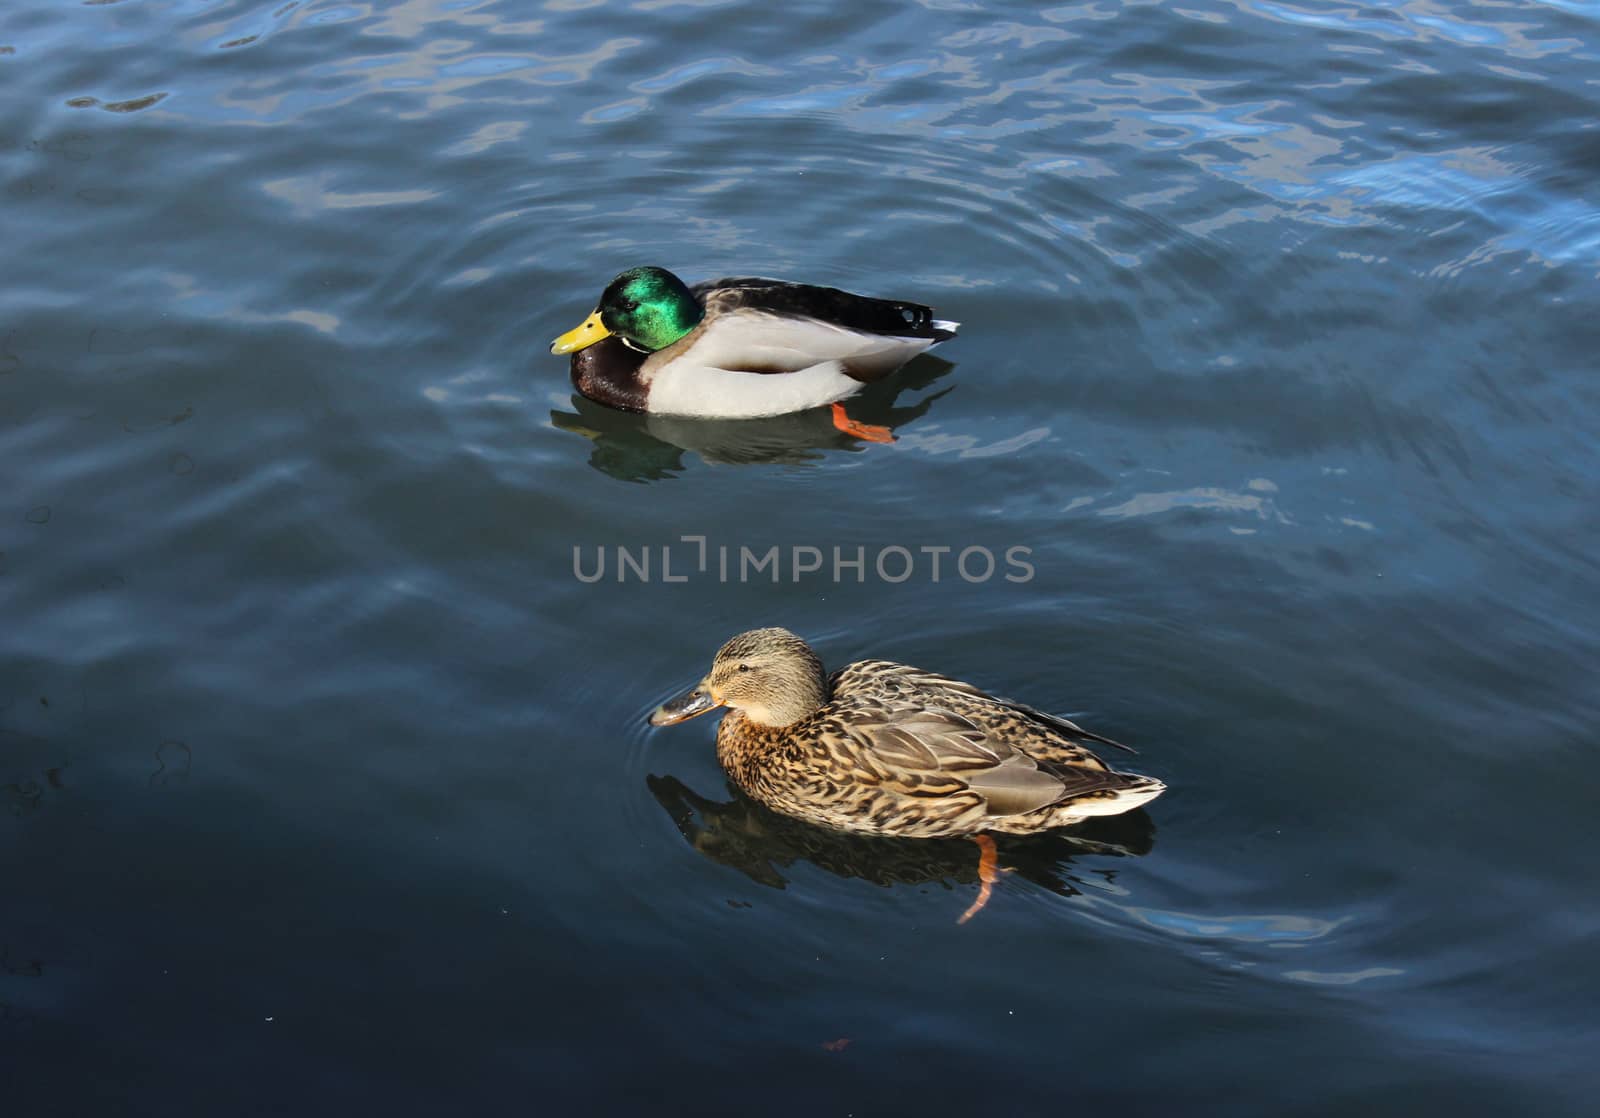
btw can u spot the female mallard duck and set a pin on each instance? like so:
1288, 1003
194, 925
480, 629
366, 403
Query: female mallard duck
740, 348
887, 749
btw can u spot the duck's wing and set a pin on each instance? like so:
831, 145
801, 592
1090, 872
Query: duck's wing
857, 313
902, 680
933, 752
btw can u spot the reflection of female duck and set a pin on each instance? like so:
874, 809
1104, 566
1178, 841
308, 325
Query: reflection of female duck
740, 348
887, 749
761, 844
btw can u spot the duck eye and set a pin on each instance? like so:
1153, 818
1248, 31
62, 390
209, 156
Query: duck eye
744, 667
629, 305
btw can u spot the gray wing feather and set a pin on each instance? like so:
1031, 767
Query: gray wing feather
925, 741
1016, 786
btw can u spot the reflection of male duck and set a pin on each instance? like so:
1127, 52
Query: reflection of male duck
650, 447
887, 749
741, 348
761, 844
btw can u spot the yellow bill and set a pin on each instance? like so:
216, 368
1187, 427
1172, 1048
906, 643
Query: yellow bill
585, 334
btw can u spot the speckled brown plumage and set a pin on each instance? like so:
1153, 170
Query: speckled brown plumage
888, 749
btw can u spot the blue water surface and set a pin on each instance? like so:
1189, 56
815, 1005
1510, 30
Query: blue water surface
325, 780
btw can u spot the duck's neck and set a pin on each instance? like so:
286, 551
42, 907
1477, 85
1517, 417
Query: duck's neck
790, 706
670, 322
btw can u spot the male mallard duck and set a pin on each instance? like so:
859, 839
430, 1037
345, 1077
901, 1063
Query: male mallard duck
740, 348
887, 749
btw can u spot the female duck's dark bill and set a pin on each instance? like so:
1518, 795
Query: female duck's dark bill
683, 708
581, 336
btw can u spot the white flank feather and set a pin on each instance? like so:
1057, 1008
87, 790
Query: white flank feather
800, 361
684, 389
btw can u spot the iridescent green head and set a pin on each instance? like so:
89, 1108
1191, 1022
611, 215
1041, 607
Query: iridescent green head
649, 308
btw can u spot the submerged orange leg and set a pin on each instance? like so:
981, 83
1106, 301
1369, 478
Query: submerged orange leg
867, 431
988, 873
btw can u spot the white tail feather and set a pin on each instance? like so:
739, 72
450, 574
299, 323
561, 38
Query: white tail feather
1126, 799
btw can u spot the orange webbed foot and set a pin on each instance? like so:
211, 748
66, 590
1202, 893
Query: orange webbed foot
988, 874
866, 431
